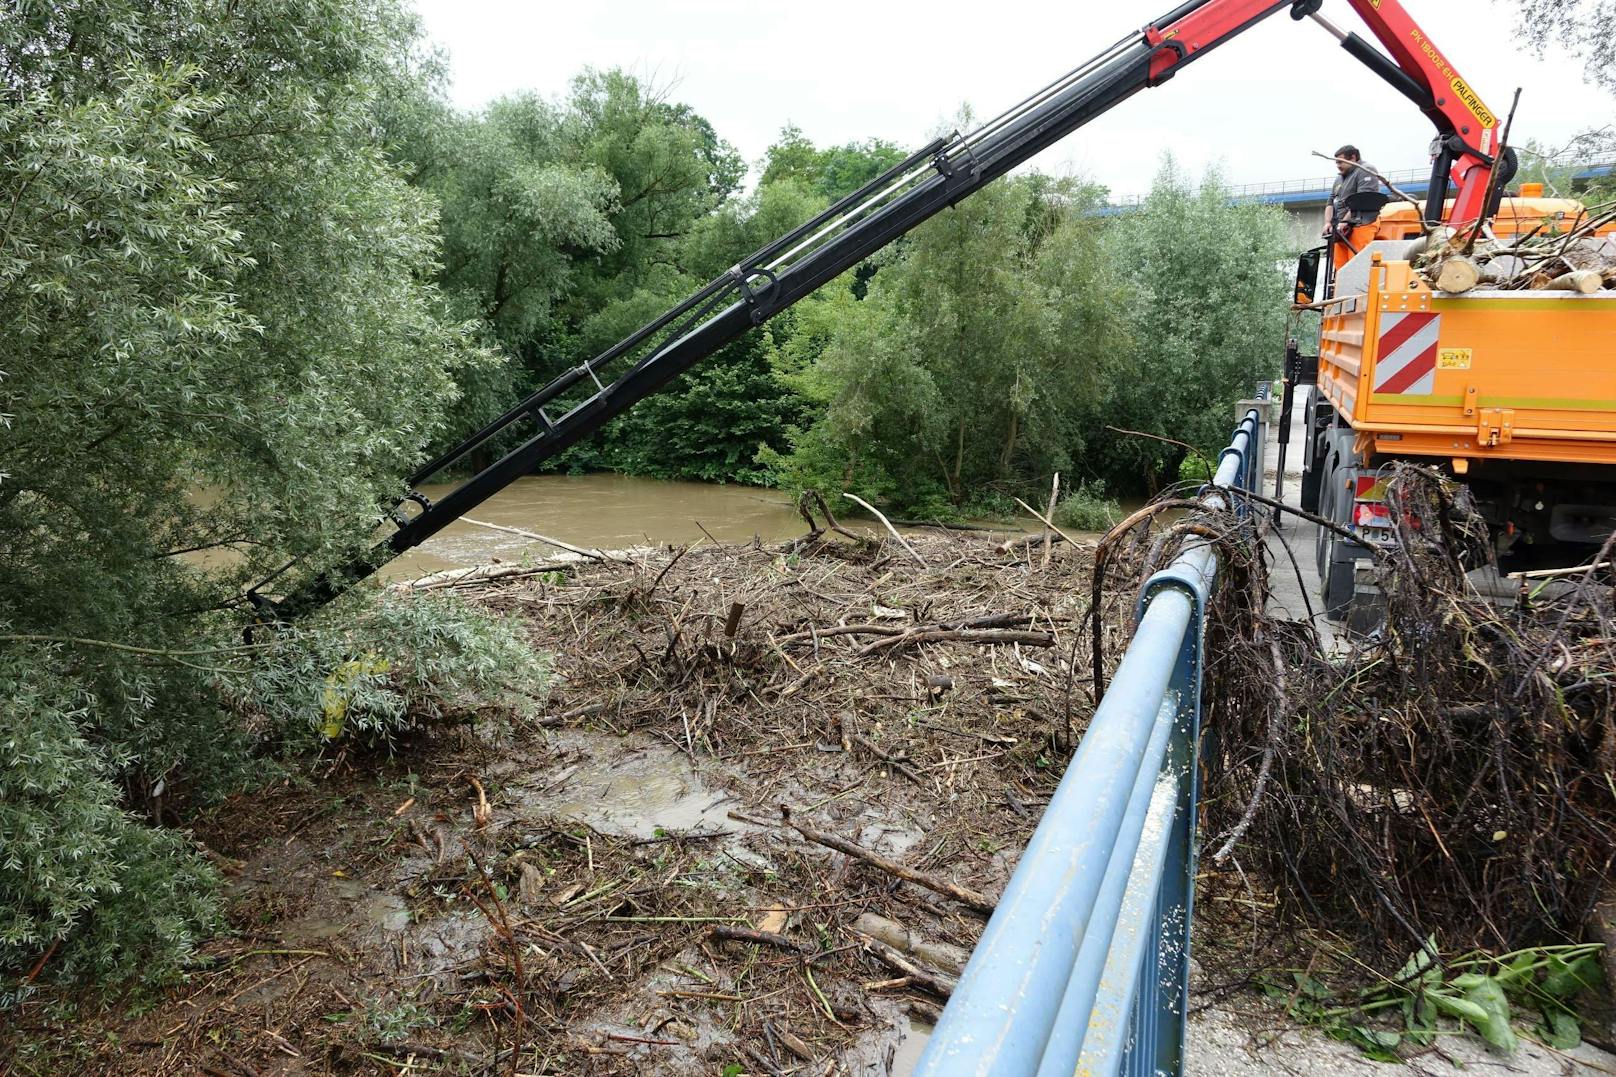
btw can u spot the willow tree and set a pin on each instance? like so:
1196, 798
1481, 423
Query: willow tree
220, 355
1208, 301
1585, 28
959, 375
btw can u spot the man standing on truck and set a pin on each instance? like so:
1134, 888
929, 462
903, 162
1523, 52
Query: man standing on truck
1346, 229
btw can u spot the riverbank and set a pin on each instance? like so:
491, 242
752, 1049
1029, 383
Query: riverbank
619, 889
772, 797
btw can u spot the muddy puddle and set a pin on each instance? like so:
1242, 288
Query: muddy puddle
911, 1047
354, 908
634, 789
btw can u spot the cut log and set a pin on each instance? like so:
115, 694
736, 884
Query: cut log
1456, 274
1438, 240
1585, 281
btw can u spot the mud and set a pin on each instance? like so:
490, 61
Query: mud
635, 788
556, 901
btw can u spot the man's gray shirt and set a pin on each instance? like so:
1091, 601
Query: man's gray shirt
1345, 187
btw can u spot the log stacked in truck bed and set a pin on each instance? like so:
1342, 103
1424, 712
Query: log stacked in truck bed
1579, 260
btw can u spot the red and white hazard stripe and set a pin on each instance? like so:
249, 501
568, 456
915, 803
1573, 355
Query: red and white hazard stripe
1407, 353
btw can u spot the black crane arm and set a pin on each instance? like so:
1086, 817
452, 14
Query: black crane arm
579, 402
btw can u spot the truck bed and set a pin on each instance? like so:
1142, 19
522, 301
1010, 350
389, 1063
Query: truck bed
1516, 375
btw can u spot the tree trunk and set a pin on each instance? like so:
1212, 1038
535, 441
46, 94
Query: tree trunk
954, 489
1010, 444
1456, 274
1585, 281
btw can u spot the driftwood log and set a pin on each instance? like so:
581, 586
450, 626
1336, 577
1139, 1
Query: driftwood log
962, 894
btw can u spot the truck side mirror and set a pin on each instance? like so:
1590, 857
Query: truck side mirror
1307, 275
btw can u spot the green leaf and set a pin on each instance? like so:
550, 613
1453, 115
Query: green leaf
1312, 986
1518, 968
1272, 988
1420, 967
1562, 1031
1454, 1006
1564, 979
1421, 1017
1378, 1044
1490, 998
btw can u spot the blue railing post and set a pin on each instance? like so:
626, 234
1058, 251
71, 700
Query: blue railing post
1084, 965
1167, 984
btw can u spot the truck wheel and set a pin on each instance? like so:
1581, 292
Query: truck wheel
1336, 572
1321, 537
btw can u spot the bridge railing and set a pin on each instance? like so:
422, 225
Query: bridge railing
1412, 180
1084, 965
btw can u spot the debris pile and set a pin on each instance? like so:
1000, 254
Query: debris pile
1580, 260
1454, 776
774, 798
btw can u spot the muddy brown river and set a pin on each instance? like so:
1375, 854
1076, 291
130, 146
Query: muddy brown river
601, 511
604, 511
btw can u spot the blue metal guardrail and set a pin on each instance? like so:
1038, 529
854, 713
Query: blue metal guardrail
1084, 966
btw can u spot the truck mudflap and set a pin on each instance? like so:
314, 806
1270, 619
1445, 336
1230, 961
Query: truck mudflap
1346, 576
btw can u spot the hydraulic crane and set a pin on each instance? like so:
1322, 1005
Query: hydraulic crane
580, 401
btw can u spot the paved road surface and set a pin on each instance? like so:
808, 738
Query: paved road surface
1249, 1035
1295, 588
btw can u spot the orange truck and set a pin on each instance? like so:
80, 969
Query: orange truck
1511, 392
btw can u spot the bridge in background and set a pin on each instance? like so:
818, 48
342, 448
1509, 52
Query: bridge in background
1304, 199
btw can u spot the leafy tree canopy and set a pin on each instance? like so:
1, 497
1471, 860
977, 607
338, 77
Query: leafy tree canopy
830, 172
1587, 28
223, 349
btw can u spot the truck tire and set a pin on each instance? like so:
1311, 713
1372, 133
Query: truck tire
1322, 507
1317, 454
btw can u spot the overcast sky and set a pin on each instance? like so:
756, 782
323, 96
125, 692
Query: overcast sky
899, 70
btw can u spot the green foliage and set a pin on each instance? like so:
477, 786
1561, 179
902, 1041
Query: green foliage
566, 224
1208, 321
1478, 993
728, 411
222, 353
831, 172
375, 668
1196, 470
74, 865
1087, 508
970, 362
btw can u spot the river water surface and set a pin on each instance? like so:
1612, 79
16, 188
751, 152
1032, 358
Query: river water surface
603, 511
606, 511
